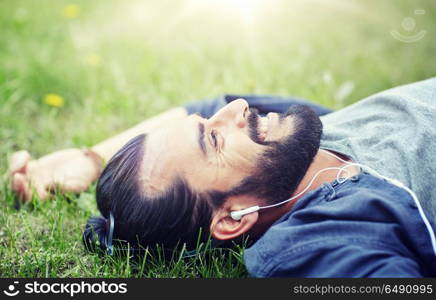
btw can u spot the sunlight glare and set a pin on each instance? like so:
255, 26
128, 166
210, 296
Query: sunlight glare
246, 9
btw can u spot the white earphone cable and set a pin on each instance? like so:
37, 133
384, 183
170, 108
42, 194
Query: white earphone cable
400, 185
308, 186
236, 215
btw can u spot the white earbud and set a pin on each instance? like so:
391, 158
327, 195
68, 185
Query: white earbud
237, 214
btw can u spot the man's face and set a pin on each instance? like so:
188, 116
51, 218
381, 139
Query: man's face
235, 150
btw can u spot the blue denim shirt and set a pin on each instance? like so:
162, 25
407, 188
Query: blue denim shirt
363, 227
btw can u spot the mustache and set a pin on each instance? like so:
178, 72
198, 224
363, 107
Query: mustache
253, 122
253, 126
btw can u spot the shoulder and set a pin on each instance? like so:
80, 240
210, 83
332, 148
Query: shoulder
350, 231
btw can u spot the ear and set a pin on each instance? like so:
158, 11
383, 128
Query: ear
223, 227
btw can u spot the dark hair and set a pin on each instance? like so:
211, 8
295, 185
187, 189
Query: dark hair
176, 217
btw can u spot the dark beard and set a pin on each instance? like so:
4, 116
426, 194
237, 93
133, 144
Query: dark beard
283, 165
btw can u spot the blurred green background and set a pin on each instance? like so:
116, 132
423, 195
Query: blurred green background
73, 73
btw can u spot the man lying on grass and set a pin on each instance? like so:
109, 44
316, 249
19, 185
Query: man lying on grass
302, 182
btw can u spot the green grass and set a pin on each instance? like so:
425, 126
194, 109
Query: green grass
119, 62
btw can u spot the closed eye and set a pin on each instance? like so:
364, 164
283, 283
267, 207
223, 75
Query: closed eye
213, 136
245, 113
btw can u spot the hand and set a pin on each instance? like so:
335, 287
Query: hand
69, 170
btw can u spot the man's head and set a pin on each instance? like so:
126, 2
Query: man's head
164, 186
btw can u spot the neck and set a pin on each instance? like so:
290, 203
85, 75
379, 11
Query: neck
320, 161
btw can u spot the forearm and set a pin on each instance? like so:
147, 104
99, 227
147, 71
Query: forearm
107, 148
73, 170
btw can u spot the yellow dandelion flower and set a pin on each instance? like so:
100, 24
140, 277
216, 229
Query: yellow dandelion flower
251, 84
54, 100
71, 11
93, 59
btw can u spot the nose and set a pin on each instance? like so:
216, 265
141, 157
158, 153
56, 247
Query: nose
234, 112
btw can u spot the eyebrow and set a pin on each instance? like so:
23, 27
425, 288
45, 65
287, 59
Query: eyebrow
201, 143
